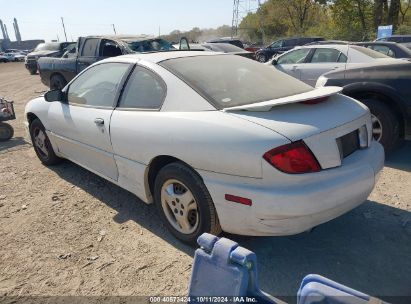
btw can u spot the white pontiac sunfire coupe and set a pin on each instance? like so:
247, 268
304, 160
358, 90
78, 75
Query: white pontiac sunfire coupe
217, 142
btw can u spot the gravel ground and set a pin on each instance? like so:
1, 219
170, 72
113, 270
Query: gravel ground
65, 231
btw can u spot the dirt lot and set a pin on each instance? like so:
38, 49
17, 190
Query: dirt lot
65, 231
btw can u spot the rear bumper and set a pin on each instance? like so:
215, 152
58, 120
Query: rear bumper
299, 203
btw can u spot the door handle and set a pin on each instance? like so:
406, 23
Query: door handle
99, 121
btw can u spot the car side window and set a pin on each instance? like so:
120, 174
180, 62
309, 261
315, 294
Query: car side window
342, 58
98, 85
277, 44
382, 49
293, 57
325, 55
110, 49
90, 46
144, 90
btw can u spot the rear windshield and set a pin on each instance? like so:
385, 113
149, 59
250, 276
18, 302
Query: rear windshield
229, 80
151, 45
48, 47
369, 52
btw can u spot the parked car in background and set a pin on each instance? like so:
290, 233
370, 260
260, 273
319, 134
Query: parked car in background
57, 72
320, 42
14, 56
307, 63
391, 49
397, 38
49, 49
216, 141
223, 48
3, 58
233, 41
385, 88
281, 46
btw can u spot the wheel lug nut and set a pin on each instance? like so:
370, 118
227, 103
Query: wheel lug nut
177, 200
175, 210
173, 203
182, 206
181, 212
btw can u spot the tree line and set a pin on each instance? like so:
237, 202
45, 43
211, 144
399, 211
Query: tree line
353, 20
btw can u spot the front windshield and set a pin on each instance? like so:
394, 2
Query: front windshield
229, 80
48, 47
151, 45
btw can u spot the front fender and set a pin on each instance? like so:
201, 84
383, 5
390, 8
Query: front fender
40, 108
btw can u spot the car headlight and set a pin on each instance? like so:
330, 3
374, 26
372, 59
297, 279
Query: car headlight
321, 82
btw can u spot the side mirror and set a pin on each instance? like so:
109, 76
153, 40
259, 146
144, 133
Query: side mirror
184, 45
55, 95
274, 62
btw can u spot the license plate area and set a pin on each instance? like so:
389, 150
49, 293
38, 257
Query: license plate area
348, 144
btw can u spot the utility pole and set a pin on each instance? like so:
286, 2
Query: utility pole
64, 28
261, 21
114, 29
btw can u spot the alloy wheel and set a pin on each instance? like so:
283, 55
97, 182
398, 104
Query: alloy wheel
39, 140
179, 206
376, 128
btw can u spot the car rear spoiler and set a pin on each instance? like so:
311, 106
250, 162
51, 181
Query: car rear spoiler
315, 94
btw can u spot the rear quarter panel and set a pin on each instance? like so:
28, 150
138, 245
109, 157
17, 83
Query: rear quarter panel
212, 141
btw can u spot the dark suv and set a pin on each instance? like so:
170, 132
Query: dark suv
283, 45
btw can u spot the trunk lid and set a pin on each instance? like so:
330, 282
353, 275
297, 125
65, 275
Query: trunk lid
322, 126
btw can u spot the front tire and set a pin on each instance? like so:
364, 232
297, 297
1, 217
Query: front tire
184, 203
33, 72
42, 145
6, 131
386, 126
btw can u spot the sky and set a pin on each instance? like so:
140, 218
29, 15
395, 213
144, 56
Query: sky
41, 19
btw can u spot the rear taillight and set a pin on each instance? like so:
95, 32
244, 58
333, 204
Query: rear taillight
293, 158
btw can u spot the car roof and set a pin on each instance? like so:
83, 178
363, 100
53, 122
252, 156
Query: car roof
340, 47
124, 37
156, 57
376, 42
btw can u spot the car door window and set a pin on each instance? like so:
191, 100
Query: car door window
293, 57
98, 85
90, 46
325, 55
144, 90
110, 49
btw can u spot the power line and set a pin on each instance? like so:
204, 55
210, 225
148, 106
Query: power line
240, 9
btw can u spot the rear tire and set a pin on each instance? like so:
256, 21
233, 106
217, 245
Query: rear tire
57, 82
42, 145
6, 131
386, 126
181, 180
